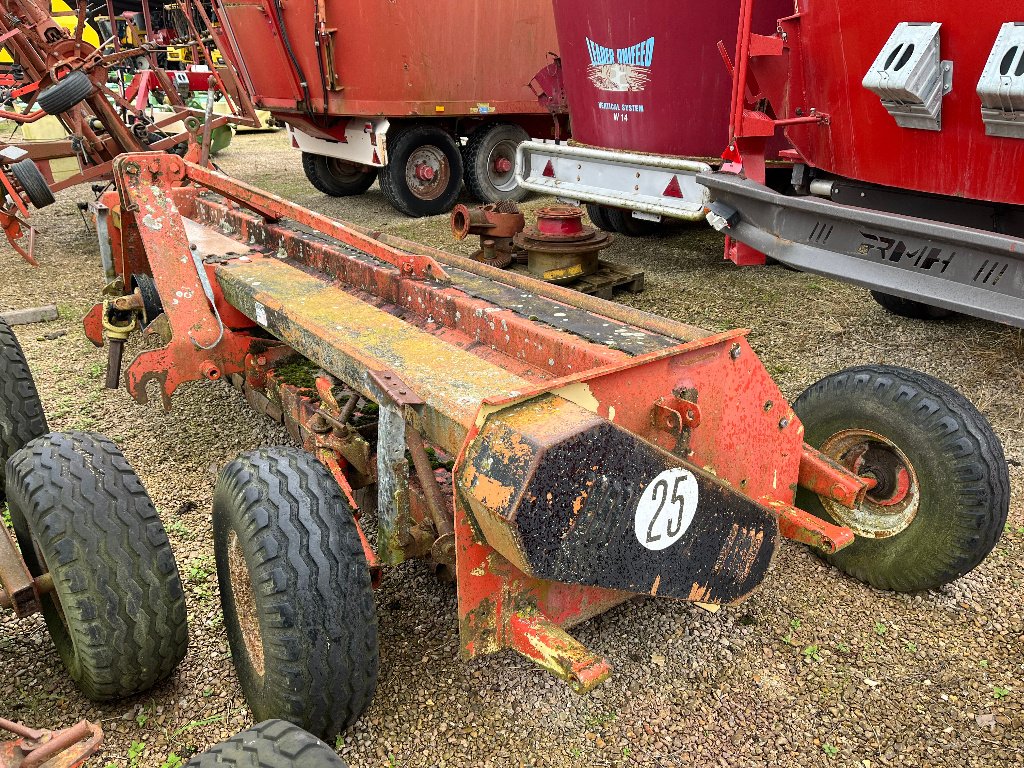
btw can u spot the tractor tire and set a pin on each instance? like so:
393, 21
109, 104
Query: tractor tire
599, 217
623, 222
21, 414
915, 310
271, 744
117, 612
74, 88
428, 147
295, 588
486, 147
31, 180
942, 492
335, 177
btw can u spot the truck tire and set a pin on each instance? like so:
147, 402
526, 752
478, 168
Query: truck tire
915, 310
424, 171
117, 613
271, 744
295, 588
31, 180
21, 414
942, 494
623, 222
70, 90
599, 217
335, 177
490, 160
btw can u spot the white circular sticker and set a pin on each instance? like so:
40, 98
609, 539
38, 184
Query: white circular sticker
666, 509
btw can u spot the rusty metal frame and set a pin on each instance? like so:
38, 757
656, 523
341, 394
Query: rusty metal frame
247, 278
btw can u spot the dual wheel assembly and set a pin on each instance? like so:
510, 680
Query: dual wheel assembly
427, 167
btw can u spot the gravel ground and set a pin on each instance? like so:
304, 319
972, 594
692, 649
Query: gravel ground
815, 669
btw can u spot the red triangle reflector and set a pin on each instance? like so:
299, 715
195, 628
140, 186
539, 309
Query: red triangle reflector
376, 158
549, 170
673, 190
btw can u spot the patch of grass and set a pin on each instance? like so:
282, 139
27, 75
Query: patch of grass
998, 692
911, 646
172, 761
135, 753
812, 652
881, 628
829, 750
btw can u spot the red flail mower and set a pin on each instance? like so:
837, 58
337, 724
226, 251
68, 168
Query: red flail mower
556, 454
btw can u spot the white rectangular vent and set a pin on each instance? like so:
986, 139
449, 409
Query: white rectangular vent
1001, 87
910, 77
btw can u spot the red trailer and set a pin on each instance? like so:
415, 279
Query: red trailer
906, 124
648, 94
395, 88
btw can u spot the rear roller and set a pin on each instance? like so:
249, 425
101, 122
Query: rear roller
941, 493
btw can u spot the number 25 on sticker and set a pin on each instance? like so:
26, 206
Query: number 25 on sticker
666, 509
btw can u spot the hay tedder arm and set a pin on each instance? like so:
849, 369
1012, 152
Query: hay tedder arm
597, 452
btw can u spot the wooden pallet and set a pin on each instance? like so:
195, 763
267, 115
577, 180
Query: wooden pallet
603, 283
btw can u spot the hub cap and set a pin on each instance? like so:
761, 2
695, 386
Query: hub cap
501, 166
347, 173
427, 172
891, 505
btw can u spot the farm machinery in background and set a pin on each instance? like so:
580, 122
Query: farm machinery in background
57, 73
874, 148
392, 91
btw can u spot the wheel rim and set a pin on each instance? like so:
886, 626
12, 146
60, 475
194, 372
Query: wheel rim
501, 166
346, 173
428, 172
245, 604
892, 504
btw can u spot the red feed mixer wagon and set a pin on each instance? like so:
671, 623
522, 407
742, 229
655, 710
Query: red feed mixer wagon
391, 90
907, 130
648, 90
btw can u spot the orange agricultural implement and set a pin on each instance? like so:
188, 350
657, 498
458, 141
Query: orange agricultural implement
40, 748
559, 454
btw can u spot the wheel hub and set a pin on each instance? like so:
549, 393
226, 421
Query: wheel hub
428, 172
892, 503
245, 604
501, 166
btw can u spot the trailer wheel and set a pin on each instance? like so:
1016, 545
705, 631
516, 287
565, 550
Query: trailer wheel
599, 217
70, 90
295, 588
490, 160
117, 612
271, 744
21, 414
942, 492
32, 181
915, 310
424, 171
335, 177
623, 222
